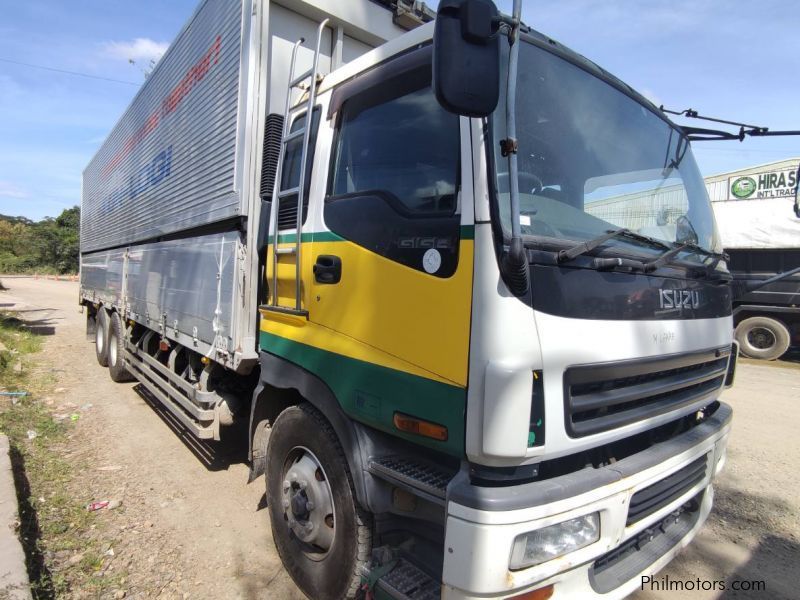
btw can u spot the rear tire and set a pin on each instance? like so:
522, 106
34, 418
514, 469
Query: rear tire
323, 537
116, 346
762, 337
101, 337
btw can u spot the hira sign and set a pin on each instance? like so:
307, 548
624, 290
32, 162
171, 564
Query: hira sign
762, 186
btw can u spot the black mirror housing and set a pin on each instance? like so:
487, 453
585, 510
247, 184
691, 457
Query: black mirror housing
466, 57
684, 231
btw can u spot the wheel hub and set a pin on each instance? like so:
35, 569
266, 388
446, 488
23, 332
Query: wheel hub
299, 502
761, 338
307, 500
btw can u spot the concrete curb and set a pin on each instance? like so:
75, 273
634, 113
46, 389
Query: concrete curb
14, 582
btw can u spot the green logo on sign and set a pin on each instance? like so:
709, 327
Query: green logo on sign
743, 187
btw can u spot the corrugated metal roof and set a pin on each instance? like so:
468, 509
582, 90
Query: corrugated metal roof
770, 166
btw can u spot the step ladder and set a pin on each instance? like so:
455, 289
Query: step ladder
421, 478
295, 82
406, 581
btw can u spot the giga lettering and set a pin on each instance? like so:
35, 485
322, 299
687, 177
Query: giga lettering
145, 178
679, 299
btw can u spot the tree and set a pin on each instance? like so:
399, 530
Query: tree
49, 245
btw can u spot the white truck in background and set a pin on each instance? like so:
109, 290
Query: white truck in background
760, 231
400, 264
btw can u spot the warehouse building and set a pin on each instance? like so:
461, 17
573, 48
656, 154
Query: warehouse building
754, 207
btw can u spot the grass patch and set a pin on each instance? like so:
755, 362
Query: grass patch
63, 554
16, 342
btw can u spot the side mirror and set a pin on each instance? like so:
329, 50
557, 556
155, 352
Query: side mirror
466, 57
796, 191
684, 231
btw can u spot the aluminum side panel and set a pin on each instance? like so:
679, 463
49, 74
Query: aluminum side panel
169, 163
186, 287
102, 276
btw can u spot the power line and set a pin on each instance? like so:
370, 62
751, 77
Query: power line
24, 64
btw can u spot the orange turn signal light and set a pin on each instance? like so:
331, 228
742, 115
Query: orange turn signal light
540, 594
421, 427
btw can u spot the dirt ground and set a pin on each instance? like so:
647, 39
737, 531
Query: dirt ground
189, 525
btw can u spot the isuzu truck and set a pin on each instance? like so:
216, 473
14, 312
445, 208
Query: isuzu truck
387, 258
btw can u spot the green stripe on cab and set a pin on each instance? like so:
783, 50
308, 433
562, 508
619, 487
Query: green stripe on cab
371, 394
312, 236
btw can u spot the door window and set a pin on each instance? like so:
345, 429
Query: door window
395, 173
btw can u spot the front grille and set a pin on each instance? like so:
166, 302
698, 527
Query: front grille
654, 497
605, 396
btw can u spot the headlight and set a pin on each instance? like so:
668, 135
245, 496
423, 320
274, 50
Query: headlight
556, 540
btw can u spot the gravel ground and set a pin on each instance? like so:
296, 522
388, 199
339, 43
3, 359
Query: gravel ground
189, 525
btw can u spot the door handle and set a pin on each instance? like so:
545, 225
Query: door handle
328, 269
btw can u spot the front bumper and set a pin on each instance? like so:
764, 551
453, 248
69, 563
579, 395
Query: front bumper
482, 523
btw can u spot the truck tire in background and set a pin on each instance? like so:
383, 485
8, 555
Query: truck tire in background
322, 535
115, 348
101, 337
762, 337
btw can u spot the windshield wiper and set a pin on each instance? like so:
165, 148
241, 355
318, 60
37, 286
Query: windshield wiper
589, 245
660, 261
698, 248
710, 269
705, 269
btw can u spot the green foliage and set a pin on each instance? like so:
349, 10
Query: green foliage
49, 246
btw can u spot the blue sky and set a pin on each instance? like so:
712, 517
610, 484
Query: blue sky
731, 59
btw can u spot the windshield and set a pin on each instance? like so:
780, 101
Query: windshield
592, 159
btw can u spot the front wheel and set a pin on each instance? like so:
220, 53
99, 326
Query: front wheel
323, 537
762, 337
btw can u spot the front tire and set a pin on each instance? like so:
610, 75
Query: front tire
116, 346
762, 337
323, 537
101, 337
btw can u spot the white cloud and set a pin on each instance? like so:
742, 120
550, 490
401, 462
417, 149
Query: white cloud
9, 190
140, 50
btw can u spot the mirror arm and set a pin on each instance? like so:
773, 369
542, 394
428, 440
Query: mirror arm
509, 21
515, 261
757, 285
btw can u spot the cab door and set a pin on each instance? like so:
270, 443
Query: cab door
390, 296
